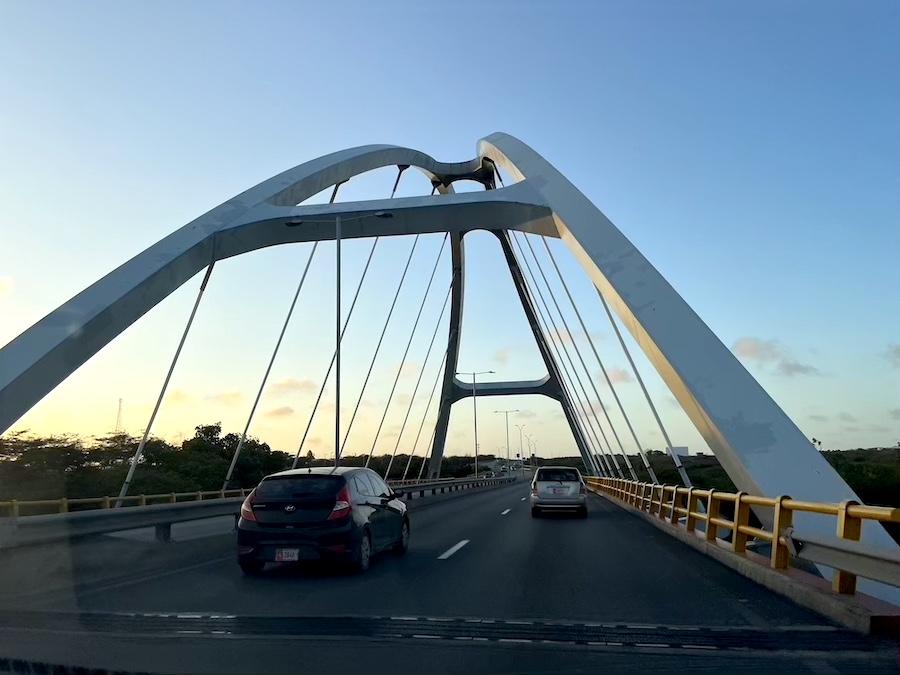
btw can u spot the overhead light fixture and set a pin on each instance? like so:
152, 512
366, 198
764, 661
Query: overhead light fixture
384, 214
294, 222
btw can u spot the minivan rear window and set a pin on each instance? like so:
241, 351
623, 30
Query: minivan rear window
557, 474
299, 487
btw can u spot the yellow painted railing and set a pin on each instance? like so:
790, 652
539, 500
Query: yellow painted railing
680, 508
15, 508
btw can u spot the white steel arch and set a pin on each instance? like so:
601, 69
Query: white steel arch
757, 444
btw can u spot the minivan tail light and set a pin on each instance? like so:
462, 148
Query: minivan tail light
247, 507
534, 488
341, 505
583, 489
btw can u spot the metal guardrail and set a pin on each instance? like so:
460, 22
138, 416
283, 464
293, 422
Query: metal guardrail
21, 530
845, 554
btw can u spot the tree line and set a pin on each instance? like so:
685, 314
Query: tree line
49, 467
36, 467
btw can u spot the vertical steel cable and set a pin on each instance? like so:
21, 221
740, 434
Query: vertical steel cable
380, 340
588, 411
262, 385
609, 382
412, 334
334, 355
162, 392
437, 380
412, 399
602, 466
425, 460
678, 465
581, 360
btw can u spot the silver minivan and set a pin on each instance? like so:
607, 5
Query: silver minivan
558, 488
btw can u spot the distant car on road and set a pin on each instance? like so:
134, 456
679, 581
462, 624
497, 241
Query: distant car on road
558, 488
344, 514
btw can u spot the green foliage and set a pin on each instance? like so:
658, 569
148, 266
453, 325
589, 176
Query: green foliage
32, 467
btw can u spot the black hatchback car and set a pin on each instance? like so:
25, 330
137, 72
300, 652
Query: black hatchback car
345, 514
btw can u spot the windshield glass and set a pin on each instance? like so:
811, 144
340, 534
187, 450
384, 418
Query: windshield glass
493, 336
557, 474
299, 487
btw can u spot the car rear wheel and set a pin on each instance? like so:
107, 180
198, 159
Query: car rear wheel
251, 567
403, 542
582, 512
535, 512
363, 553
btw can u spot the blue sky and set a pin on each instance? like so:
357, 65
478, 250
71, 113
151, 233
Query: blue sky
751, 151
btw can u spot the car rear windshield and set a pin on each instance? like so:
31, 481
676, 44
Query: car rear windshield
300, 487
557, 474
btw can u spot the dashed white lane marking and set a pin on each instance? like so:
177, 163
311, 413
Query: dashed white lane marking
453, 549
523, 499
503, 513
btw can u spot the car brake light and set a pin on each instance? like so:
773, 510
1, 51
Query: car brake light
534, 488
583, 489
247, 507
341, 505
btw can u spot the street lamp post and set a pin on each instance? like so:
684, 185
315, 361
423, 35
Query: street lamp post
296, 222
506, 413
475, 410
521, 453
337, 342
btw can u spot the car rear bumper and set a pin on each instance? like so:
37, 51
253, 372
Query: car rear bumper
566, 503
263, 544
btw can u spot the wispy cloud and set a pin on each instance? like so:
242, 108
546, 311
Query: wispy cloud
283, 411
409, 370
526, 414
179, 397
226, 398
772, 352
6, 286
894, 413
402, 400
291, 385
501, 356
893, 355
619, 376
819, 418
846, 417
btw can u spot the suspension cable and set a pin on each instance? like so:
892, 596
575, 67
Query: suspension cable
588, 410
583, 365
678, 465
262, 385
412, 334
424, 460
162, 392
567, 388
334, 355
437, 380
609, 382
378, 346
412, 399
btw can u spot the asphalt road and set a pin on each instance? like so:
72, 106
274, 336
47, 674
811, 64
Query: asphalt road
483, 587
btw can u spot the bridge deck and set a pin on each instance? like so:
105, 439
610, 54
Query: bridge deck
647, 590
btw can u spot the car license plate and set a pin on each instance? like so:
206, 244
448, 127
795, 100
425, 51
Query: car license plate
559, 491
287, 554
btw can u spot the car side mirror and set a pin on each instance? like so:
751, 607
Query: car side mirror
398, 494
